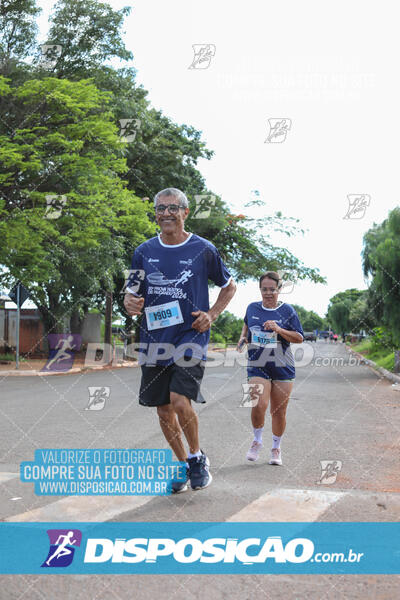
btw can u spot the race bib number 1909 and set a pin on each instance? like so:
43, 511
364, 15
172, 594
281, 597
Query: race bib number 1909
163, 315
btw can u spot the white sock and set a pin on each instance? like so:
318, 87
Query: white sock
195, 455
258, 434
276, 441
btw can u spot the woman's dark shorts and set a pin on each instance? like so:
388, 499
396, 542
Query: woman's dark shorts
158, 381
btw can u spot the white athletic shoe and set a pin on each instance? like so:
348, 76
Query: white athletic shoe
254, 451
276, 457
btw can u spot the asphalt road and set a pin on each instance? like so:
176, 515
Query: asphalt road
338, 412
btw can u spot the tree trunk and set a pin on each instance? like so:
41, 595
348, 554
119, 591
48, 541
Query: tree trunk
76, 321
49, 321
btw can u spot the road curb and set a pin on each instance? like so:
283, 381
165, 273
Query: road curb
83, 369
380, 371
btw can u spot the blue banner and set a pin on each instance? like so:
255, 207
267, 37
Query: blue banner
218, 548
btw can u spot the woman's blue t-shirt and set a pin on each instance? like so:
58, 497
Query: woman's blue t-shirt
267, 352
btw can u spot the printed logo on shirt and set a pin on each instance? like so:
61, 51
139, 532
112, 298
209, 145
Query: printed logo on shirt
253, 317
158, 278
160, 284
186, 262
154, 260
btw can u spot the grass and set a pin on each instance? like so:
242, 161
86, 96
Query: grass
362, 347
380, 355
11, 356
387, 362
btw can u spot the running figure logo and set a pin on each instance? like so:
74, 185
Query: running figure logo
129, 129
62, 347
62, 351
287, 283
55, 205
357, 205
133, 280
184, 277
329, 471
97, 397
251, 394
278, 130
49, 55
204, 202
203, 54
61, 551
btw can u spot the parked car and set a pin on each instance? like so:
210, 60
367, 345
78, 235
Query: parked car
309, 336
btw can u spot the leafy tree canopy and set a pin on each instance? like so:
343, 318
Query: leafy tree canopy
381, 264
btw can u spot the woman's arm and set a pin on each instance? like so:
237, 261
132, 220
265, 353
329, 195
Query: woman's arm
293, 337
243, 338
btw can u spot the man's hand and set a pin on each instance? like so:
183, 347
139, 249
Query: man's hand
203, 321
133, 304
272, 325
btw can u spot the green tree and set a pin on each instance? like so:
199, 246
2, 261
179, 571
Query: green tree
313, 321
64, 142
163, 153
17, 32
226, 328
309, 319
381, 264
339, 315
89, 33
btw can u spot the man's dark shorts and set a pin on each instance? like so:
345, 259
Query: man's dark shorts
158, 381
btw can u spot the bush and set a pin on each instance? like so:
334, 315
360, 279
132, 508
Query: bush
217, 338
381, 339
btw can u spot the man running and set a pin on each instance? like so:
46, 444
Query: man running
175, 329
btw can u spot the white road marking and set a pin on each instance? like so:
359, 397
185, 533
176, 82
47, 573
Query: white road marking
288, 505
7, 476
83, 508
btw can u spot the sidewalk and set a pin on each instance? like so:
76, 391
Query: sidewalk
34, 366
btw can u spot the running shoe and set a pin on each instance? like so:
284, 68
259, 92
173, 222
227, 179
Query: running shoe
254, 451
180, 486
199, 473
276, 457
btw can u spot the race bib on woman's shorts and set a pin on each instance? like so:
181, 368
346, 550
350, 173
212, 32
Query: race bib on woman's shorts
163, 315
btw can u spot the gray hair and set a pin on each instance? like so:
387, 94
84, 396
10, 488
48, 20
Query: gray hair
175, 193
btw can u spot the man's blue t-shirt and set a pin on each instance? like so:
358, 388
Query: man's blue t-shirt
268, 351
173, 280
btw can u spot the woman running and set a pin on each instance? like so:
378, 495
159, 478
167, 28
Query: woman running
270, 327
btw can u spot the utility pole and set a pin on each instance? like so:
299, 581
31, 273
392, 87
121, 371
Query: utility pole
107, 326
17, 330
18, 294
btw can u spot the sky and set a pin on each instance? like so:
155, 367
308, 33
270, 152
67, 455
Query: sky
330, 69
